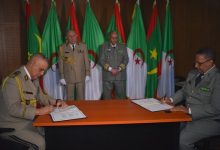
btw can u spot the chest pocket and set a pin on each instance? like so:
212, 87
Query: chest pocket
24, 101
68, 57
108, 54
205, 91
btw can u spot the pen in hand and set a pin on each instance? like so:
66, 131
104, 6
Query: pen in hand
164, 97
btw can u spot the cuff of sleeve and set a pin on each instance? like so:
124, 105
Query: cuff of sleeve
189, 110
122, 66
171, 99
61, 76
29, 113
88, 72
106, 66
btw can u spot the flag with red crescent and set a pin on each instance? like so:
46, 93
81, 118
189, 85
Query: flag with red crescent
93, 37
136, 47
166, 84
51, 40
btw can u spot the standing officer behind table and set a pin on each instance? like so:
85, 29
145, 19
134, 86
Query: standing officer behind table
74, 66
20, 94
113, 58
202, 94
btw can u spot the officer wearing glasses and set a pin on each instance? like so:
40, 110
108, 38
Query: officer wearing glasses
201, 94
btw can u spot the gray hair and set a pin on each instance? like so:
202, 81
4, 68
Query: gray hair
207, 52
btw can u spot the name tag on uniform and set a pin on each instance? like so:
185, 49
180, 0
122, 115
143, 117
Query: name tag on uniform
205, 89
120, 51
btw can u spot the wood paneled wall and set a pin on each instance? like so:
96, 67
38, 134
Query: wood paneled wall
196, 24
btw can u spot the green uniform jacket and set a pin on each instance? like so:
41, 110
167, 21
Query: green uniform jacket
115, 58
204, 99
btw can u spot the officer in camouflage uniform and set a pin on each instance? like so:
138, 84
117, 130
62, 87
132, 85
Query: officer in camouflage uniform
113, 58
20, 94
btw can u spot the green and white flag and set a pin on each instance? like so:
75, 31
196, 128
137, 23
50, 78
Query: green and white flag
166, 85
51, 40
93, 37
137, 67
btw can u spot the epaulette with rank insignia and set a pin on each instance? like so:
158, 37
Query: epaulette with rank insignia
13, 75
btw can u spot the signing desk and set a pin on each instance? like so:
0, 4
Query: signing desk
114, 125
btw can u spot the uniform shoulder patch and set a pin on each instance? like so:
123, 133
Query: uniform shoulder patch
13, 75
26, 77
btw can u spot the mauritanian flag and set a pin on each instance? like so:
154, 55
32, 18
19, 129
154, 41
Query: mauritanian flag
166, 85
72, 22
33, 36
116, 24
153, 53
137, 67
93, 37
51, 40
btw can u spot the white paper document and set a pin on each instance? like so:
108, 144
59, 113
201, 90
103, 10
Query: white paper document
152, 104
67, 113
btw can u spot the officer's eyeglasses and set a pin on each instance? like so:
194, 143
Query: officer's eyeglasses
200, 63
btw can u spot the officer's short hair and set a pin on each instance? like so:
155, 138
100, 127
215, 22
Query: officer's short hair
207, 52
70, 30
39, 55
110, 33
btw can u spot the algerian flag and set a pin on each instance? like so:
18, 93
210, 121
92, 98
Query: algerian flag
166, 85
137, 67
51, 40
153, 53
33, 36
72, 22
116, 24
93, 37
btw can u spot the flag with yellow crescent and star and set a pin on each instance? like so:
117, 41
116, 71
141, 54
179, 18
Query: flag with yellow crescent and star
34, 41
153, 53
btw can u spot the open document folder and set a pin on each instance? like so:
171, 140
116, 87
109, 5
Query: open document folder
67, 113
152, 104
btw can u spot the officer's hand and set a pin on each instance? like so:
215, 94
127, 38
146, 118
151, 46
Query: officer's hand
180, 108
61, 103
62, 81
114, 72
44, 110
87, 78
166, 101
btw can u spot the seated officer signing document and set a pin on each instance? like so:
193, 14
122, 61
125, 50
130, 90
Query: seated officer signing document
20, 94
201, 93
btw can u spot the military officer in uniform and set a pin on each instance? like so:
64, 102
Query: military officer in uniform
113, 58
201, 93
20, 95
74, 66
